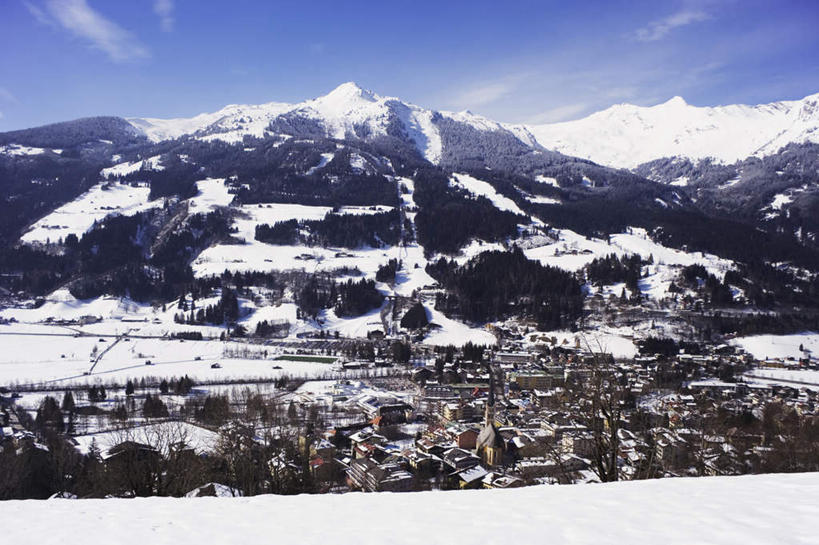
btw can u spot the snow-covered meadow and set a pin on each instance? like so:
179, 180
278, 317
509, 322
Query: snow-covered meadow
764, 347
759, 509
78, 216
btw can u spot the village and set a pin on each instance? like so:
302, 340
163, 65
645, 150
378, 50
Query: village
396, 416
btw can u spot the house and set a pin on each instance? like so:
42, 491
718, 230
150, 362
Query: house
496, 480
531, 380
457, 459
367, 475
471, 477
465, 437
578, 443
513, 357
672, 452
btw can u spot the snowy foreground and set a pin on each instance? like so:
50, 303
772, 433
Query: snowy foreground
717, 510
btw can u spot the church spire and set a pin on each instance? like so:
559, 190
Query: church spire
489, 413
491, 399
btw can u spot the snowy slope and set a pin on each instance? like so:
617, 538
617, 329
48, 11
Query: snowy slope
249, 119
78, 216
625, 135
761, 509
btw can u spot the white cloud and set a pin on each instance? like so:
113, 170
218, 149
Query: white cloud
657, 30
164, 9
81, 20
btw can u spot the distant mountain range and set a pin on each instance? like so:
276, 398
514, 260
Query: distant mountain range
707, 179
348, 111
626, 136
491, 220
622, 136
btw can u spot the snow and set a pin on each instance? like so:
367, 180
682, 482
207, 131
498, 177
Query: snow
547, 180
358, 163
123, 169
202, 440
61, 305
325, 158
484, 189
757, 509
17, 150
259, 256
79, 215
213, 193
779, 346
36, 357
611, 341
422, 131
795, 378
251, 119
626, 136
346, 110
540, 199
453, 332
573, 251
780, 200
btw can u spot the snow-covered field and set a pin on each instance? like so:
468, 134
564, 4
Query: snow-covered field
16, 150
780, 346
213, 193
760, 509
79, 215
123, 169
608, 340
795, 378
62, 360
455, 333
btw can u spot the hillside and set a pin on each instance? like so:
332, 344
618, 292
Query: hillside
354, 187
721, 510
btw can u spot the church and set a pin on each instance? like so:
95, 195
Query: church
490, 445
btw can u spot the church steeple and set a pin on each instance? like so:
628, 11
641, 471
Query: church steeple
489, 413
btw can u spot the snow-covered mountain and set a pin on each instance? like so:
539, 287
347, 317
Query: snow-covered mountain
622, 136
347, 111
626, 136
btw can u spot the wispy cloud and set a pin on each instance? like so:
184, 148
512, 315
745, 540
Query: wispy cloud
657, 30
87, 24
487, 93
38, 13
561, 113
164, 9
7, 96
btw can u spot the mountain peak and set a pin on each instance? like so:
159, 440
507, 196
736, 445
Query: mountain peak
676, 101
350, 91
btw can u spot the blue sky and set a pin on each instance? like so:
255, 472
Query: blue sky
517, 61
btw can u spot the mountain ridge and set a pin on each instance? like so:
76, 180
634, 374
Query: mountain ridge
626, 135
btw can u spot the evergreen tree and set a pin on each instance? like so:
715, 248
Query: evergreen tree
68, 404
